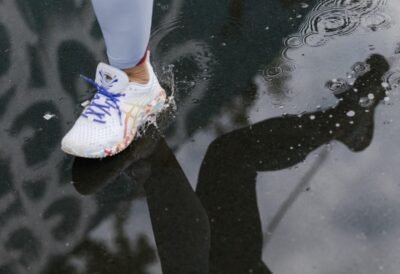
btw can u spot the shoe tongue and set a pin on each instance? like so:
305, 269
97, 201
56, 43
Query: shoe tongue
113, 79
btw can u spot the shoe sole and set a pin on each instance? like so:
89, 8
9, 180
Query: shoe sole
157, 105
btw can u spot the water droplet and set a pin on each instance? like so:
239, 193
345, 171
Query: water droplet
304, 5
312, 117
48, 116
351, 113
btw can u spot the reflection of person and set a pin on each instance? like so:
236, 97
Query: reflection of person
128, 92
178, 219
227, 179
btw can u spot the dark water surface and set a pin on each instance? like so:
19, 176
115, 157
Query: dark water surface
282, 156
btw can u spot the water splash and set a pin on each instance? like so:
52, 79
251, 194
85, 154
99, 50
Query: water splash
167, 81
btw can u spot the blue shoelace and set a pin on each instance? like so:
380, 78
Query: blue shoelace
97, 110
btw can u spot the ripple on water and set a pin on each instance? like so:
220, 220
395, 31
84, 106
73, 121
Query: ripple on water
315, 40
287, 54
294, 41
329, 19
359, 69
273, 72
166, 27
338, 18
377, 21
360, 7
392, 78
331, 22
338, 86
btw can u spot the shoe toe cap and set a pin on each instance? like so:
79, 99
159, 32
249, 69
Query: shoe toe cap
87, 142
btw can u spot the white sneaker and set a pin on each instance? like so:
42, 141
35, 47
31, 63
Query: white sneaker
112, 119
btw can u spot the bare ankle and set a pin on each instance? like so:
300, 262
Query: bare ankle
138, 74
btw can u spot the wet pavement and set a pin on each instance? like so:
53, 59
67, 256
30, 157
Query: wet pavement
281, 156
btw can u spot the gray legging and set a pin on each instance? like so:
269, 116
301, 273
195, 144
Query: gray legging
126, 26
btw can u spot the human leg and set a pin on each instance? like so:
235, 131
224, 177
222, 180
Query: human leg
126, 26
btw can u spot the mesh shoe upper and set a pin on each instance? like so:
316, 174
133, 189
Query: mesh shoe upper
108, 120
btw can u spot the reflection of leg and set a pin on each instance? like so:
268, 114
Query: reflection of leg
226, 188
126, 28
236, 236
227, 185
179, 222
